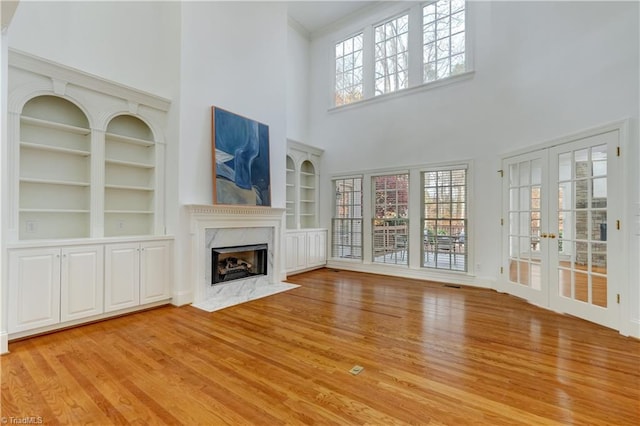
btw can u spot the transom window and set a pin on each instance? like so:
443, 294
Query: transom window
445, 219
392, 55
349, 83
443, 39
347, 220
390, 221
385, 58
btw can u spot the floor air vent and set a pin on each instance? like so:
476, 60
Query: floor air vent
451, 286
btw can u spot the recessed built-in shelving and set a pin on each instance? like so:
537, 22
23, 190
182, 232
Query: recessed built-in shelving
302, 185
129, 194
308, 218
55, 170
291, 191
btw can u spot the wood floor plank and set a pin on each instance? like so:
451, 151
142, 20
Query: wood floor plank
431, 355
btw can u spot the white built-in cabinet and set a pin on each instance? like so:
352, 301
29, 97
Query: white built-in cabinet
305, 250
49, 286
136, 273
305, 242
295, 250
85, 177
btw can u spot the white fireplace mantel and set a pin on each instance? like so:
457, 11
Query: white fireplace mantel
203, 217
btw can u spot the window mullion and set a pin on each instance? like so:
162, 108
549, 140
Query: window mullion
368, 59
415, 46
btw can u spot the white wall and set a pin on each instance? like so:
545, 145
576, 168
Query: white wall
234, 56
132, 43
4, 337
297, 84
542, 70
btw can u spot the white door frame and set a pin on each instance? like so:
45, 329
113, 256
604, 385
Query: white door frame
617, 278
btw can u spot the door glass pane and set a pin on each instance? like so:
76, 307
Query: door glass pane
524, 273
513, 247
599, 225
513, 270
599, 196
536, 172
525, 244
536, 275
513, 223
581, 194
599, 257
565, 224
565, 196
513, 199
581, 164
599, 159
564, 280
582, 286
580, 255
513, 175
524, 173
599, 285
582, 225
564, 166
524, 198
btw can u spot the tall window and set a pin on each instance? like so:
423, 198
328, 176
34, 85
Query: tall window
349, 70
382, 66
443, 39
445, 219
347, 221
392, 55
390, 222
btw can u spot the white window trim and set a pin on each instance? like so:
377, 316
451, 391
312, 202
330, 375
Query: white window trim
415, 209
364, 65
416, 84
333, 216
409, 13
468, 75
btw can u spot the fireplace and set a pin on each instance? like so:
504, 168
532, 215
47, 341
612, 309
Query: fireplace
213, 226
238, 262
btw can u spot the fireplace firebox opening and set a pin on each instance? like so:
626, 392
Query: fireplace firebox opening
237, 262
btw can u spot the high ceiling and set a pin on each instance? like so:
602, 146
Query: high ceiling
316, 15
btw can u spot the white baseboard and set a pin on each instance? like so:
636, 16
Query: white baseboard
420, 274
632, 329
181, 298
4, 342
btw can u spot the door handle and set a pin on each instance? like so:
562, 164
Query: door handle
543, 235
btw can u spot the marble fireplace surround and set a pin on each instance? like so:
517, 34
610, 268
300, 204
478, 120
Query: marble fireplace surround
220, 226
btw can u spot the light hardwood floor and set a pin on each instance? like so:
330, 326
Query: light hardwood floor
431, 354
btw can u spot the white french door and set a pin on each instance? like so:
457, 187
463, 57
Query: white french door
560, 235
526, 242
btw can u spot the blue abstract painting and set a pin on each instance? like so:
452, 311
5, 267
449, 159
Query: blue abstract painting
240, 148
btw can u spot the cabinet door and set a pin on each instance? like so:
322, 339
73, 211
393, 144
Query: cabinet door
122, 276
82, 284
317, 248
34, 288
296, 251
155, 271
